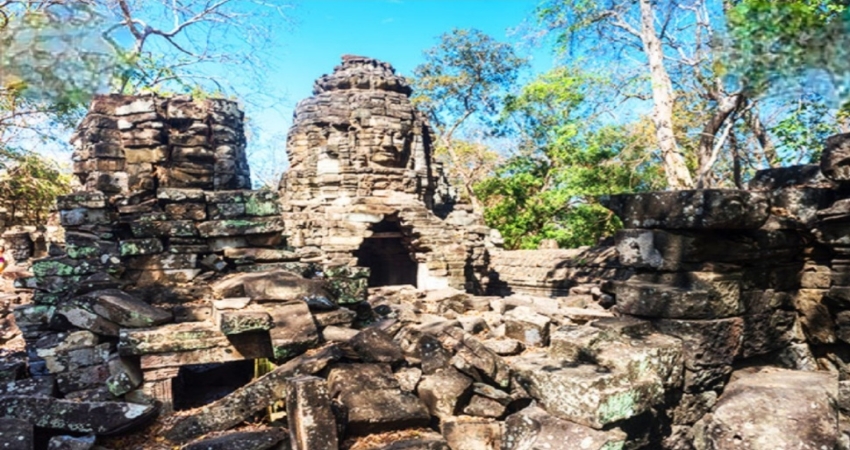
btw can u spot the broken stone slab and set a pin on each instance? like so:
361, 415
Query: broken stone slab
282, 286
256, 395
312, 425
124, 309
343, 378
475, 354
584, 394
534, 428
527, 326
803, 414
504, 347
372, 411
466, 433
82, 378
71, 443
424, 441
170, 338
375, 345
124, 375
100, 418
445, 391
481, 406
294, 330
240, 440
703, 209
87, 320
16, 434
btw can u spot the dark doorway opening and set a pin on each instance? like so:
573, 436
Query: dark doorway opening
387, 258
201, 384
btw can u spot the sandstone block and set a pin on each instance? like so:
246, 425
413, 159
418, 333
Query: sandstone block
311, 422
805, 414
533, 428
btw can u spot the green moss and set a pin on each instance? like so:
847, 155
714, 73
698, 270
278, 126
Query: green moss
619, 406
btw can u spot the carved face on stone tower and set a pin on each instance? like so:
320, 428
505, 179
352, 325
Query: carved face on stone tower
359, 117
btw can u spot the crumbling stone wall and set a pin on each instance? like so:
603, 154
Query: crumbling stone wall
157, 219
133, 144
360, 154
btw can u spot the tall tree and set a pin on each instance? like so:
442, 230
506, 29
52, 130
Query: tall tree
628, 24
461, 87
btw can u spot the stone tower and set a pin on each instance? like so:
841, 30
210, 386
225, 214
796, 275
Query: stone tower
361, 183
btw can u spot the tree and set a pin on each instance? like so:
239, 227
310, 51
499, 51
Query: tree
463, 81
566, 158
624, 26
682, 50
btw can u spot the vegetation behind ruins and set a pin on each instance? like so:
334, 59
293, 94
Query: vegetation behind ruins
649, 95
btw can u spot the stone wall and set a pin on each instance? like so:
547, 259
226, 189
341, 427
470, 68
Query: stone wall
155, 225
129, 144
361, 162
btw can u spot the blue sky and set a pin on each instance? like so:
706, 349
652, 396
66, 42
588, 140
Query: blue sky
395, 31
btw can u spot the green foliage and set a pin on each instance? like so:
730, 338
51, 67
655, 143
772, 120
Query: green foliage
567, 159
467, 73
29, 184
802, 132
781, 40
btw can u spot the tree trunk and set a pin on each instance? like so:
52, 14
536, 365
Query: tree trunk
763, 139
726, 105
678, 176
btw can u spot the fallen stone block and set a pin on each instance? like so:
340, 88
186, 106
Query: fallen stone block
238, 322
445, 392
375, 345
244, 402
534, 428
804, 413
240, 440
372, 411
584, 394
170, 338
124, 309
464, 433
124, 376
312, 425
283, 286
526, 326
294, 330
100, 418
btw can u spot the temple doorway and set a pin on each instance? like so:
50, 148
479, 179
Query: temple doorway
386, 256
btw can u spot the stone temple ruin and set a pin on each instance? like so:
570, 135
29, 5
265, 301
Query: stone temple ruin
361, 187
361, 308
